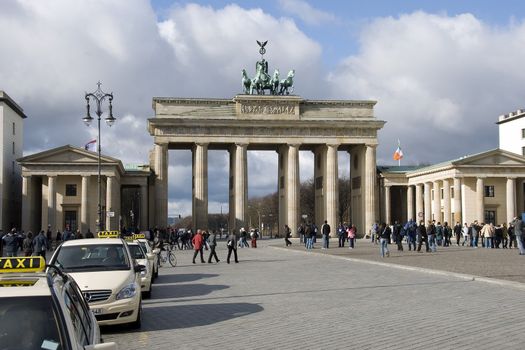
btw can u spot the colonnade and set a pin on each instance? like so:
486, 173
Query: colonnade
41, 206
447, 205
325, 175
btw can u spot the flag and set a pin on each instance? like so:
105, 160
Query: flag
91, 146
398, 154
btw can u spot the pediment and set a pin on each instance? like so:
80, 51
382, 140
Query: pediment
67, 155
492, 158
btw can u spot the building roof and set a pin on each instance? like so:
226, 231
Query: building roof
520, 113
4, 97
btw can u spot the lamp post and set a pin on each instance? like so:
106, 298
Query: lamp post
98, 96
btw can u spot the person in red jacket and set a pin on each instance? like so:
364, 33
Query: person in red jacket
198, 244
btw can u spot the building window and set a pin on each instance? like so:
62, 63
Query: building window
13, 147
452, 192
14, 128
523, 133
71, 190
489, 191
523, 151
432, 195
490, 216
442, 193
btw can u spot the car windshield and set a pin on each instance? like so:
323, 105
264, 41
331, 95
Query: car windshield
89, 257
136, 251
28, 323
143, 245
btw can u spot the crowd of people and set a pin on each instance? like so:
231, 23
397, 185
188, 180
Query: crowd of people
434, 235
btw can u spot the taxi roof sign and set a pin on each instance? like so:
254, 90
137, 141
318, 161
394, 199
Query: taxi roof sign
109, 234
139, 236
22, 264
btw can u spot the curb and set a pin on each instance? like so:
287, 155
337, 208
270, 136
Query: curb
467, 277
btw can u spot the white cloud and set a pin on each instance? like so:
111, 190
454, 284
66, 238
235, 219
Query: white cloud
306, 12
440, 82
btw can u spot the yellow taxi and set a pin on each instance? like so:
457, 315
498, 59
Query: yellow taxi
107, 275
44, 310
140, 257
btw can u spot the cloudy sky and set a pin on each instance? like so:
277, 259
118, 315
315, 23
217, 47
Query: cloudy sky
441, 71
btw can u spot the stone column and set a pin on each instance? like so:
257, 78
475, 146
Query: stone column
511, 199
480, 197
143, 224
436, 203
200, 186
282, 154
292, 189
410, 203
420, 208
387, 204
370, 186
428, 203
240, 185
27, 203
446, 203
84, 205
519, 196
110, 180
161, 185
51, 202
457, 201
332, 188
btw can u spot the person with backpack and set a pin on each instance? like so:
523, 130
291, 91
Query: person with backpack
232, 247
341, 235
212, 242
384, 236
254, 235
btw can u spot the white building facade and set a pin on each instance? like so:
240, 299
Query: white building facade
512, 132
11, 138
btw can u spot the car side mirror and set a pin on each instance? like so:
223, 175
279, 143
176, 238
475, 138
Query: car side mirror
139, 268
101, 346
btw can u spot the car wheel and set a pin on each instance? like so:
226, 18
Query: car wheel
138, 322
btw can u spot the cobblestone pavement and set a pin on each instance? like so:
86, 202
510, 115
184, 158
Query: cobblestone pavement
291, 299
503, 264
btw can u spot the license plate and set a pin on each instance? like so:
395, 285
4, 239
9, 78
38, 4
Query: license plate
97, 311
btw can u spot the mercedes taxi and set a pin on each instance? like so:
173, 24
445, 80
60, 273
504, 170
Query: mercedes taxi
152, 254
44, 310
107, 275
140, 257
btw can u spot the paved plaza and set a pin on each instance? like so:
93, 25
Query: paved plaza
278, 298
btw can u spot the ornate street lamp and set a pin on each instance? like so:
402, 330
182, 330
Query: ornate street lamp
98, 96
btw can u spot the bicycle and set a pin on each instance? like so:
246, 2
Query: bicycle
167, 255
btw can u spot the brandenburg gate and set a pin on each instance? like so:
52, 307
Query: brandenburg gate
277, 122
285, 124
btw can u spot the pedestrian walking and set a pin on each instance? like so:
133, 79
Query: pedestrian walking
198, 246
40, 243
457, 232
431, 236
351, 233
384, 236
397, 235
287, 235
254, 235
410, 228
27, 244
232, 246
488, 232
518, 232
465, 231
308, 233
341, 235
325, 231
212, 242
11, 243
421, 234
373, 232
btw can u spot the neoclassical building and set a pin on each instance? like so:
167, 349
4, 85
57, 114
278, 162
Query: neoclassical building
60, 187
487, 187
